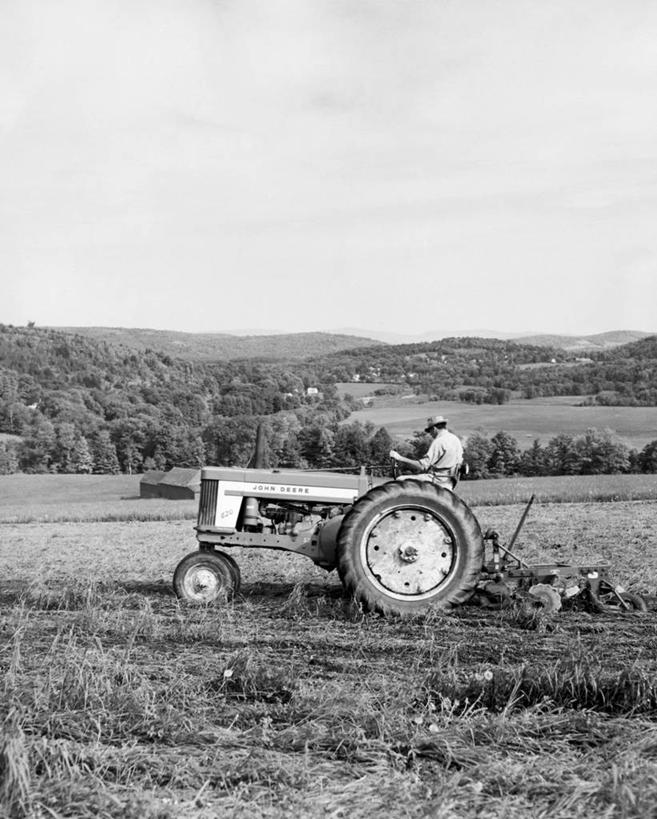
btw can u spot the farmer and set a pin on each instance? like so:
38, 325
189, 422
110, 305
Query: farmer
444, 457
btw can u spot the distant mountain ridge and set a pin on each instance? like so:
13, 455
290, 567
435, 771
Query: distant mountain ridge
595, 342
273, 344
223, 346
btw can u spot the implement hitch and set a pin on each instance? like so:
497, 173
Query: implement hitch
506, 576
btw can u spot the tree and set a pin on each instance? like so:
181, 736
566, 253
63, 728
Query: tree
82, 461
379, 446
478, 451
36, 453
63, 453
128, 437
104, 455
561, 456
8, 459
350, 446
230, 441
600, 453
532, 461
648, 457
316, 443
282, 433
505, 456
419, 444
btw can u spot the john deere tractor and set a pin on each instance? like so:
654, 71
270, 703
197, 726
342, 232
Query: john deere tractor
400, 546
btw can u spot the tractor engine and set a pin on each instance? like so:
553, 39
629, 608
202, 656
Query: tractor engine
292, 518
294, 511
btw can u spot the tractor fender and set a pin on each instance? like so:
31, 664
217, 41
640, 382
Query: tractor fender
327, 543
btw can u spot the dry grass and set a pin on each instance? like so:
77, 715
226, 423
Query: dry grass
560, 489
26, 499
117, 701
78, 498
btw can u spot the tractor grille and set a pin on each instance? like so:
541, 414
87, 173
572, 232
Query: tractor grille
207, 507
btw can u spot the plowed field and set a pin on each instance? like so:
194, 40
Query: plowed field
119, 701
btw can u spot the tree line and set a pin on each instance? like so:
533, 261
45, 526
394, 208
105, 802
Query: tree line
596, 452
318, 441
73, 404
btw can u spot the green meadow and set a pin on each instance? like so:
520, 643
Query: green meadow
526, 420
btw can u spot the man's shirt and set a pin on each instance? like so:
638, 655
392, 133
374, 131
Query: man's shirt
445, 452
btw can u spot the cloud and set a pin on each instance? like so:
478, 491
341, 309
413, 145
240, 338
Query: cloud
145, 143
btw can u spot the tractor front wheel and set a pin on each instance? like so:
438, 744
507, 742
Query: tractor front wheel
409, 546
204, 577
230, 562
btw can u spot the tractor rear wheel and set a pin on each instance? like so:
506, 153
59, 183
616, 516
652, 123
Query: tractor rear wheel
203, 577
408, 546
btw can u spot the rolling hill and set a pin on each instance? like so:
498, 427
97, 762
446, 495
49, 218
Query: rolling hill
593, 343
574, 343
222, 346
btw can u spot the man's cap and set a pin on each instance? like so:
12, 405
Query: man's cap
434, 421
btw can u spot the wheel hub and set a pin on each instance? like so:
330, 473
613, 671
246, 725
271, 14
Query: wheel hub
409, 552
202, 583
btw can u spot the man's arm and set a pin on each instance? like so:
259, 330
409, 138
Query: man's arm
417, 466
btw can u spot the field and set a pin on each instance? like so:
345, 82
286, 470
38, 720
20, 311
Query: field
527, 421
118, 701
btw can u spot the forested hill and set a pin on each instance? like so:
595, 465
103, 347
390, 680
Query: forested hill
76, 400
222, 346
78, 404
484, 370
584, 345
444, 369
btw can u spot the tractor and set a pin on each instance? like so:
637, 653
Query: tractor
401, 547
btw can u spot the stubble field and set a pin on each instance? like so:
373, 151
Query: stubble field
118, 701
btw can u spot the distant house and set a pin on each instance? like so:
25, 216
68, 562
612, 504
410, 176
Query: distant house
179, 483
312, 391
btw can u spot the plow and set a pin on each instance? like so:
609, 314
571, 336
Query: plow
400, 547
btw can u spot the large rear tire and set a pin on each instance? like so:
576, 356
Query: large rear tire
409, 546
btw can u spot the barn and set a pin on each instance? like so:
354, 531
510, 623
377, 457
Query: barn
178, 483
149, 484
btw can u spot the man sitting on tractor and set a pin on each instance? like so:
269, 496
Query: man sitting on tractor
443, 460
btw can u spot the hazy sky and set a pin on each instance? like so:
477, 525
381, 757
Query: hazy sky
406, 165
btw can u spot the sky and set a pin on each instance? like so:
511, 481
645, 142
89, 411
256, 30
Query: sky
294, 165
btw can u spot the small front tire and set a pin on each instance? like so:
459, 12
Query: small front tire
203, 577
230, 562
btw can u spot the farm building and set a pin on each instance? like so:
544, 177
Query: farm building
178, 483
149, 484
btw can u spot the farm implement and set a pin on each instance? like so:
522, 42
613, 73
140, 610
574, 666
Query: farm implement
400, 546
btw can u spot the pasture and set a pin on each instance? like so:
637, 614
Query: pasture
526, 420
119, 701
